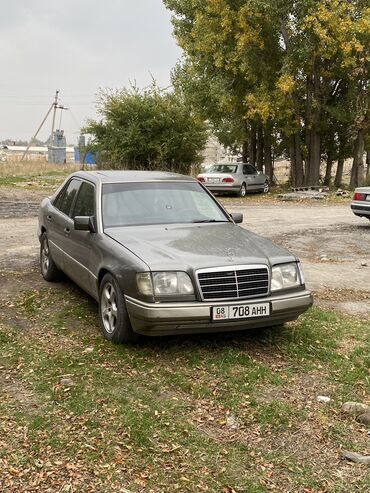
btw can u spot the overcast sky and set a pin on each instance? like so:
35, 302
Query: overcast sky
76, 46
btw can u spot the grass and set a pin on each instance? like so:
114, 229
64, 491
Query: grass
272, 198
38, 174
214, 413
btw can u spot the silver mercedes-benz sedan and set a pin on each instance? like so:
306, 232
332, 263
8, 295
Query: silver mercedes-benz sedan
361, 202
162, 256
236, 178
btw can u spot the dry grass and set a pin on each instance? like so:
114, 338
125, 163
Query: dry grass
35, 168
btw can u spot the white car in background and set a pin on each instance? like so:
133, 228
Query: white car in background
236, 178
361, 202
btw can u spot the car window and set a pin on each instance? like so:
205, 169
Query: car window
251, 170
65, 199
85, 202
223, 168
125, 204
245, 169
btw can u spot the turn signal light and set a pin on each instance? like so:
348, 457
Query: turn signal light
359, 196
228, 180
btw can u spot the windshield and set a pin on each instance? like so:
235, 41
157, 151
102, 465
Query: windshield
129, 204
223, 168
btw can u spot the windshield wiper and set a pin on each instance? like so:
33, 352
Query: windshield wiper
208, 221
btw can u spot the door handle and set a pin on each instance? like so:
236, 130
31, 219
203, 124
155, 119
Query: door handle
67, 231
49, 218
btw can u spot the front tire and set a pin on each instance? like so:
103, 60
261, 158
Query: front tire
242, 190
114, 320
48, 267
266, 187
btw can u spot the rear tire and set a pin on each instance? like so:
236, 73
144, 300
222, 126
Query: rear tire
114, 320
242, 190
48, 267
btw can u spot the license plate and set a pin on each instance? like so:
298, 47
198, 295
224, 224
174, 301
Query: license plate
227, 312
214, 180
368, 198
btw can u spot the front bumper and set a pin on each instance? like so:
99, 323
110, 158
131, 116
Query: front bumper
361, 209
195, 317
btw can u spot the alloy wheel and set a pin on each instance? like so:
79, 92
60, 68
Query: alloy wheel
45, 257
109, 311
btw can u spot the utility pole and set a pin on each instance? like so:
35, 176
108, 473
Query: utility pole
53, 105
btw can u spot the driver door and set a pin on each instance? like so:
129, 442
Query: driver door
77, 263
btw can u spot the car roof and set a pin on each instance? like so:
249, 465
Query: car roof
227, 164
122, 176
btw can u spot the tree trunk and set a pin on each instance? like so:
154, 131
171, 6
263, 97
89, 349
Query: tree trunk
260, 148
329, 166
313, 138
339, 173
340, 165
358, 170
367, 179
296, 160
314, 158
245, 151
293, 162
268, 153
253, 144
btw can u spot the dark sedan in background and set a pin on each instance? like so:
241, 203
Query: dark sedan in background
361, 202
236, 178
162, 256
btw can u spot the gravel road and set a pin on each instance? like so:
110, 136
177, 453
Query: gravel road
333, 245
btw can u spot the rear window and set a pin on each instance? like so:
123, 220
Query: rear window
223, 168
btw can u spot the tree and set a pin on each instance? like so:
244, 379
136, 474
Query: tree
148, 129
279, 64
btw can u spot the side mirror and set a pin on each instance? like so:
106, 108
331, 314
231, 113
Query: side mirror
259, 172
84, 223
237, 217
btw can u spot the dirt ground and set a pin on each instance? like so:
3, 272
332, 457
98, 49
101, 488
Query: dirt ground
333, 244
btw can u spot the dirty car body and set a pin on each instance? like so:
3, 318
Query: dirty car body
361, 202
162, 256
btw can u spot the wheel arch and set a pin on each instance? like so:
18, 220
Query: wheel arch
102, 273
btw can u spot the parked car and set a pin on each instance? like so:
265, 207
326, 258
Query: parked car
162, 256
361, 202
236, 178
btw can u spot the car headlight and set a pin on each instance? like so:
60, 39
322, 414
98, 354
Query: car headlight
164, 283
286, 276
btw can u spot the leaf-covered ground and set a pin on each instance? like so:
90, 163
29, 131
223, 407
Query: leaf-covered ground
226, 413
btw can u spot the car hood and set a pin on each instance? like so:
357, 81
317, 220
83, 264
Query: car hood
188, 247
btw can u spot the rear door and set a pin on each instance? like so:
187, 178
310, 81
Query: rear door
79, 245
59, 222
251, 176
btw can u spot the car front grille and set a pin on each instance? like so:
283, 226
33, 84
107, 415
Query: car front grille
234, 282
